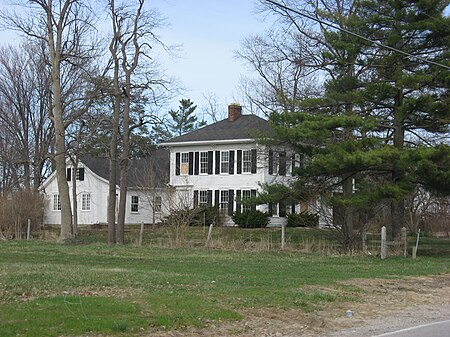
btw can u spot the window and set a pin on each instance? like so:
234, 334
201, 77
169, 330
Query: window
184, 165
246, 161
157, 205
85, 202
134, 204
203, 199
56, 202
224, 199
224, 161
246, 194
203, 162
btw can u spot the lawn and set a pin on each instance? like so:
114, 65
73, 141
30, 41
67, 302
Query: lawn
49, 289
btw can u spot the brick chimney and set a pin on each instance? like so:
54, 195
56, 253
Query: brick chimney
234, 112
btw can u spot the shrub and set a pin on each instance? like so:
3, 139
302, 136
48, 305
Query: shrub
193, 216
303, 219
251, 219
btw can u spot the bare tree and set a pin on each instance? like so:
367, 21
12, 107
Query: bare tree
63, 27
133, 37
25, 97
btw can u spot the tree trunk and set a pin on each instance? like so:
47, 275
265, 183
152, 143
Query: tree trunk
74, 197
124, 165
347, 226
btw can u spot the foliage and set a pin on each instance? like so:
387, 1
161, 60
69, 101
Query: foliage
181, 121
193, 216
251, 219
15, 211
303, 219
376, 128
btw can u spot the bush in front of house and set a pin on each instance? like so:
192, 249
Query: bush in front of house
193, 216
303, 219
251, 219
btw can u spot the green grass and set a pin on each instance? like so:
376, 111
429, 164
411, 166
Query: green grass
127, 291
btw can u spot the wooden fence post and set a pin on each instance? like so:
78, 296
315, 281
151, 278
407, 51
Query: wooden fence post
208, 239
383, 243
283, 235
141, 234
28, 229
364, 241
404, 240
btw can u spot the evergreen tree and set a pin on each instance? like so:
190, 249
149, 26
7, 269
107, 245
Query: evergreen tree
181, 121
384, 112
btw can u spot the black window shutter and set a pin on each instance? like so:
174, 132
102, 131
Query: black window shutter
282, 164
195, 199
217, 162
230, 202
69, 174
282, 209
191, 163
239, 162
270, 162
197, 163
270, 209
253, 160
209, 195
210, 162
253, 194
293, 164
293, 208
81, 174
238, 204
177, 163
216, 198
231, 163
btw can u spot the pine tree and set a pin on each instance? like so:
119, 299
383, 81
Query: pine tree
383, 112
181, 121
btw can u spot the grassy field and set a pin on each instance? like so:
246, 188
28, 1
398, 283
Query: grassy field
87, 287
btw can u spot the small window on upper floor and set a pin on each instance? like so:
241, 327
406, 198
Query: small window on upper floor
184, 163
224, 162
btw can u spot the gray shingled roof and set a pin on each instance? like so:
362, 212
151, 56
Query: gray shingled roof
151, 171
244, 127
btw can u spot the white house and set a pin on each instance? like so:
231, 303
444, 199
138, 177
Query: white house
223, 163
147, 196
217, 165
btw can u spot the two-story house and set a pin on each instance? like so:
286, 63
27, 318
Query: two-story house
223, 163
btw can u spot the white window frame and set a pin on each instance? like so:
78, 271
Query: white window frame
246, 161
224, 200
203, 162
246, 194
134, 204
56, 203
203, 198
184, 163
85, 201
224, 161
157, 204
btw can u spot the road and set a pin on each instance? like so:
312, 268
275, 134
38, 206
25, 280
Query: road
436, 329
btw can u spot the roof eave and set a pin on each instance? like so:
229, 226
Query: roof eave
209, 142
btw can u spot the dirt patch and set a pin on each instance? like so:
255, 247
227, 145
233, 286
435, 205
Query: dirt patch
379, 306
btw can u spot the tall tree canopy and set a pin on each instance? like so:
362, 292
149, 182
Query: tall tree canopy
382, 114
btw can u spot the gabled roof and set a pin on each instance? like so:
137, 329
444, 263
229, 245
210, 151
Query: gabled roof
151, 171
244, 127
